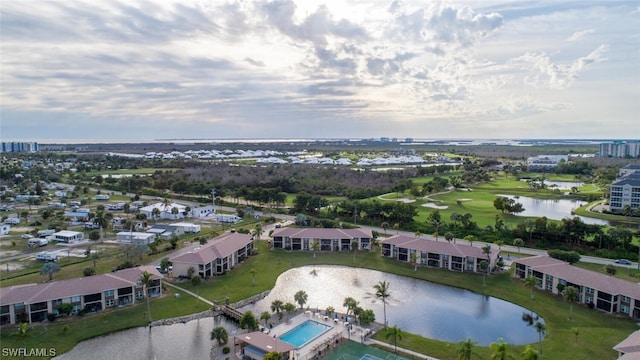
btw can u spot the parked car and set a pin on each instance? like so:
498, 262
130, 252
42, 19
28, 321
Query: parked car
623, 262
26, 236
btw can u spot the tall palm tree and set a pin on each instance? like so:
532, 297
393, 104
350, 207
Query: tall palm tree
382, 292
196, 280
448, 236
517, 242
571, 295
146, 281
396, 334
257, 231
531, 282
465, 349
265, 316
414, 259
354, 248
252, 271
315, 245
541, 328
350, 303
276, 307
487, 251
484, 265
301, 298
500, 350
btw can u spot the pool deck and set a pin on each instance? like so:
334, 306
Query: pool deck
323, 344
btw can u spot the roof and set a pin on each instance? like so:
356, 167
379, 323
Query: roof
439, 247
34, 293
220, 247
633, 180
630, 345
321, 233
67, 233
265, 342
580, 276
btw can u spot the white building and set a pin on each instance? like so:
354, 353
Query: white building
166, 211
188, 227
67, 236
203, 211
133, 237
625, 191
4, 229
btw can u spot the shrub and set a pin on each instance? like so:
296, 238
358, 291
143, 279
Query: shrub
226, 350
51, 317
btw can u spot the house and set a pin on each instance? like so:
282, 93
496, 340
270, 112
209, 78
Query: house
437, 254
4, 229
67, 236
32, 302
188, 227
629, 348
329, 239
203, 211
606, 293
165, 211
165, 231
133, 237
217, 256
256, 345
625, 191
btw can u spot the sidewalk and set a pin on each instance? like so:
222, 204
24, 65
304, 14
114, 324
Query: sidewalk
188, 292
391, 348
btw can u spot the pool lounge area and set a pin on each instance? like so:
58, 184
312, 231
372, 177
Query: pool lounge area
304, 337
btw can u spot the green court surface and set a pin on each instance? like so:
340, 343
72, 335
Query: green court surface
356, 351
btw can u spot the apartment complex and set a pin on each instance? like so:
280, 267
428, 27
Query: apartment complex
18, 146
328, 239
620, 149
625, 191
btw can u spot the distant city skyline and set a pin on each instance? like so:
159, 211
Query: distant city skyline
85, 71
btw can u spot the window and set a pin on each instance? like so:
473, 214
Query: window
109, 303
589, 290
625, 299
108, 293
75, 299
139, 294
624, 309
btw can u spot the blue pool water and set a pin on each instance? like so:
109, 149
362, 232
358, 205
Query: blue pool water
304, 333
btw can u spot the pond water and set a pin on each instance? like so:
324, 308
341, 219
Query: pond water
415, 306
561, 185
556, 209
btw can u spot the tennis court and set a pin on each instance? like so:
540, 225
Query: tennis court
356, 351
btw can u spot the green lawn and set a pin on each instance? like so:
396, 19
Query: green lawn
598, 331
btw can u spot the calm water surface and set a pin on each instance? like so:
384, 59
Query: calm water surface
556, 209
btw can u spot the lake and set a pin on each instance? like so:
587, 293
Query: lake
555, 209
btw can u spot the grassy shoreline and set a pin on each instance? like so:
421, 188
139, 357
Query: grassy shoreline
598, 331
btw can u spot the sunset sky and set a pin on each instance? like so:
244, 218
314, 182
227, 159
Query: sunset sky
131, 70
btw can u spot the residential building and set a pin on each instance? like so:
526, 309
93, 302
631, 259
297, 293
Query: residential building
165, 231
67, 236
329, 239
625, 191
18, 146
545, 162
133, 237
32, 302
629, 348
166, 211
438, 254
203, 211
216, 257
188, 227
606, 293
620, 149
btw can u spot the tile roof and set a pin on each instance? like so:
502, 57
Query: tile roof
321, 233
439, 247
33, 293
220, 247
580, 276
265, 342
630, 345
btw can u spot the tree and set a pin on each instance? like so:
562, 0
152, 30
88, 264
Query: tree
395, 333
571, 295
531, 282
252, 271
257, 231
146, 281
465, 349
196, 280
248, 321
290, 308
500, 350
301, 298
354, 248
48, 269
382, 292
575, 331
23, 331
165, 264
541, 328
272, 355
610, 269
529, 353
220, 335
88, 271
385, 226
315, 245
350, 303
517, 242
155, 213
484, 265
190, 271
265, 315
448, 236
276, 307
414, 259
435, 219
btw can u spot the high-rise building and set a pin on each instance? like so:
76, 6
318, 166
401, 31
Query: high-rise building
620, 149
16, 146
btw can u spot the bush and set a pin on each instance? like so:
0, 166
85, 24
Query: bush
571, 257
88, 271
226, 350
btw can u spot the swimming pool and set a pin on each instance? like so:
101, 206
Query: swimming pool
304, 333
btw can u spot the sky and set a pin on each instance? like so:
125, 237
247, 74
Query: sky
483, 69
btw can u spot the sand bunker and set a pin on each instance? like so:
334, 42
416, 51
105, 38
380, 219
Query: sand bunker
464, 199
406, 201
434, 206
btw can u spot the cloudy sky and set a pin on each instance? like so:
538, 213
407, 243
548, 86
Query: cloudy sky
213, 69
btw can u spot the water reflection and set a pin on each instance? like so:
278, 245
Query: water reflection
555, 209
432, 310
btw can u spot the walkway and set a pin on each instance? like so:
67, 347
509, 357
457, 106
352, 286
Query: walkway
189, 292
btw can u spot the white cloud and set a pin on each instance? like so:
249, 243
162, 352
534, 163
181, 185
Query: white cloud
580, 34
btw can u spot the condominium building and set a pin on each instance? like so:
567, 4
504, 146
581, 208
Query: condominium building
625, 191
620, 149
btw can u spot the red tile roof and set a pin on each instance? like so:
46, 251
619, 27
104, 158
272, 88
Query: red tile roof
438, 247
220, 247
580, 276
630, 345
321, 233
34, 293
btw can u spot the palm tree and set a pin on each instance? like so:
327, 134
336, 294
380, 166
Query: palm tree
575, 331
220, 335
571, 295
396, 333
155, 213
196, 280
350, 303
289, 308
315, 245
273, 355
301, 298
465, 349
385, 226
146, 281
252, 271
517, 242
500, 350
382, 292
276, 307
529, 353
448, 236
541, 328
484, 265
531, 282
414, 259
354, 248
265, 316
48, 269
487, 251
257, 231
